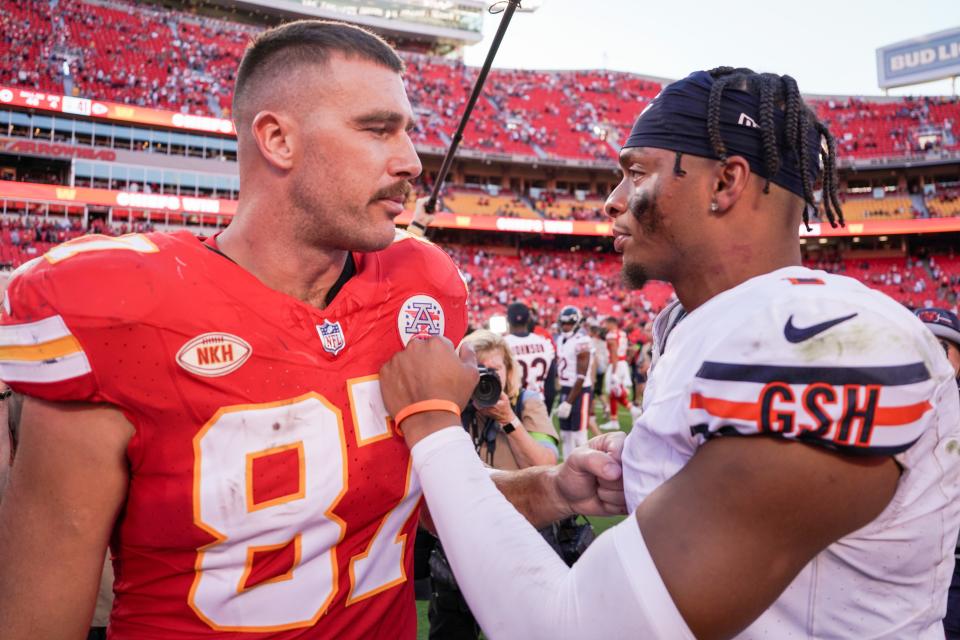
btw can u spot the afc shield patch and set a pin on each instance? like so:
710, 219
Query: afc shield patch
331, 336
420, 315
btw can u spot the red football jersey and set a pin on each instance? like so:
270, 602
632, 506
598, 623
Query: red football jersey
270, 493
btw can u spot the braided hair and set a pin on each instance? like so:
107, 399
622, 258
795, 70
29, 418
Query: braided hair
780, 92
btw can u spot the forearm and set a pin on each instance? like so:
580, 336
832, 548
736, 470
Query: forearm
527, 452
533, 493
575, 390
522, 573
66, 487
39, 599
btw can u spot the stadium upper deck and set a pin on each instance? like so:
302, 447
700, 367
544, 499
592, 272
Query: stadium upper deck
537, 157
179, 61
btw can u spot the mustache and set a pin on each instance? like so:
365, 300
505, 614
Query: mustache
400, 189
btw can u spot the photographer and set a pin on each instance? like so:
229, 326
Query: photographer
515, 433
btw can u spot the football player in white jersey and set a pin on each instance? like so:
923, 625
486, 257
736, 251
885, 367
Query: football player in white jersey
534, 353
794, 473
618, 371
946, 327
574, 359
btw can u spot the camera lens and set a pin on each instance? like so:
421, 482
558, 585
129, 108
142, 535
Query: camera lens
487, 392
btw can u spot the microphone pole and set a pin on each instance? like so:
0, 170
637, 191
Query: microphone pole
431, 204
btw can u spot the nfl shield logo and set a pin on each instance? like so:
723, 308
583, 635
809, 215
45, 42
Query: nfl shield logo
331, 335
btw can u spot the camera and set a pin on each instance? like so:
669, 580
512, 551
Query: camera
488, 389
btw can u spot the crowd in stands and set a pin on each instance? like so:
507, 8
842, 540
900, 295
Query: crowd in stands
26, 46
890, 207
124, 52
902, 126
549, 279
563, 206
932, 281
23, 238
945, 204
506, 204
147, 55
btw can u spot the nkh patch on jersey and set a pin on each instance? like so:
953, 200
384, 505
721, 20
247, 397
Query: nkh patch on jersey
331, 337
214, 354
420, 315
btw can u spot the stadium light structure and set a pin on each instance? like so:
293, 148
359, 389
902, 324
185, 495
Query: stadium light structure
508, 8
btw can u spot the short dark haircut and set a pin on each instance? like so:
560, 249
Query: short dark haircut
781, 92
282, 48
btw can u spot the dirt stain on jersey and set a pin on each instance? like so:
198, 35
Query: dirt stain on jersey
852, 340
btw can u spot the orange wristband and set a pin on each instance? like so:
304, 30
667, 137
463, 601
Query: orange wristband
423, 406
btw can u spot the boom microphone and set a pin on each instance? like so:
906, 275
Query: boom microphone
512, 6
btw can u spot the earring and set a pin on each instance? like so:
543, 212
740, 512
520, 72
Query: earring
714, 207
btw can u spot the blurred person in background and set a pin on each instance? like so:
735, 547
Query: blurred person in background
534, 353
574, 362
600, 362
550, 384
946, 327
618, 370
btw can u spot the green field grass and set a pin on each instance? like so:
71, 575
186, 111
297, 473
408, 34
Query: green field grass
599, 526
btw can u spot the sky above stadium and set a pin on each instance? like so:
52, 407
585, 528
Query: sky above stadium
829, 46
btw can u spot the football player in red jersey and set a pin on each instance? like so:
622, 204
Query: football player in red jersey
212, 408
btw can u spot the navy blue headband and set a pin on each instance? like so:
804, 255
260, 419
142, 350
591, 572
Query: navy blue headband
676, 120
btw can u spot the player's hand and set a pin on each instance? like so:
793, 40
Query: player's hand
564, 409
590, 481
502, 412
420, 214
428, 369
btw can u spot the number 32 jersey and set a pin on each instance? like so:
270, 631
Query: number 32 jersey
535, 354
270, 494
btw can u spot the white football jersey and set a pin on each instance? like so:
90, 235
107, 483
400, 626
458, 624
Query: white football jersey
618, 340
534, 353
600, 353
567, 351
822, 359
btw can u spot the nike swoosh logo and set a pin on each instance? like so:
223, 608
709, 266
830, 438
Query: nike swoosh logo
799, 334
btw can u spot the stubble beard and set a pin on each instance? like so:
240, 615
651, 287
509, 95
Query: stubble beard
634, 275
323, 223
